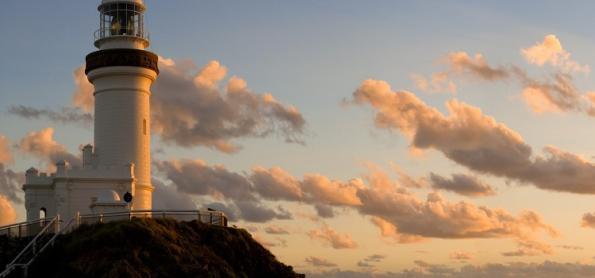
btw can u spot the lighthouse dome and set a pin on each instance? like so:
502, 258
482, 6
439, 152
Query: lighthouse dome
108, 196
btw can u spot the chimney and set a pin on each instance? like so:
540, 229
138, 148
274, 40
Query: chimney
87, 156
62, 167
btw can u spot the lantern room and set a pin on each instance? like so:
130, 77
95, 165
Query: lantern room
121, 20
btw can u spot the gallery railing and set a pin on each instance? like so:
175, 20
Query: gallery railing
209, 217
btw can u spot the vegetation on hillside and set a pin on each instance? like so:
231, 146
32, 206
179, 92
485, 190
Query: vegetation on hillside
158, 248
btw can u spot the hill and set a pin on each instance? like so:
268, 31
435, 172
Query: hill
158, 248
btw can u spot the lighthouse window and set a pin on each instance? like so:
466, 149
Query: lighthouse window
144, 126
42, 213
121, 20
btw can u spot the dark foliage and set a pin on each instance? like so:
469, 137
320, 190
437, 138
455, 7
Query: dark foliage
10, 248
158, 248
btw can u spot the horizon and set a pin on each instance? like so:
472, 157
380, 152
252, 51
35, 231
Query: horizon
348, 138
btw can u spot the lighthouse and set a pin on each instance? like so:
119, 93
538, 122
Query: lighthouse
122, 71
115, 173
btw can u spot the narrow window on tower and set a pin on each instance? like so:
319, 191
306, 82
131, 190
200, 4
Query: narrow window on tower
144, 126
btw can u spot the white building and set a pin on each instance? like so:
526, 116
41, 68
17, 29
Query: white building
122, 72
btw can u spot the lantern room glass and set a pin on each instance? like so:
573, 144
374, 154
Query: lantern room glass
121, 19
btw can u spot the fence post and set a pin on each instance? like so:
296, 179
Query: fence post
57, 224
78, 218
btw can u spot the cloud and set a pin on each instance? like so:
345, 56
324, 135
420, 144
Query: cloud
276, 184
461, 63
324, 211
83, 95
319, 262
401, 213
437, 83
198, 178
370, 261
194, 109
278, 242
5, 152
10, 184
80, 111
41, 144
389, 230
332, 238
259, 212
462, 184
474, 140
460, 256
397, 212
65, 115
7, 213
546, 269
555, 94
570, 247
550, 51
276, 230
588, 220
168, 197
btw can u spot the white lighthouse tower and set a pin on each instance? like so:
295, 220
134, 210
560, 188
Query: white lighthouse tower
122, 72
119, 164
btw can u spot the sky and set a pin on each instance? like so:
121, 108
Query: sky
353, 139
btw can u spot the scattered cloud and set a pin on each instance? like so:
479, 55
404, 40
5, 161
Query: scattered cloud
570, 247
475, 140
550, 51
41, 145
198, 178
332, 238
83, 95
276, 230
555, 94
319, 262
5, 152
461, 63
65, 115
80, 112
7, 213
10, 184
168, 197
461, 256
402, 213
397, 212
546, 269
462, 184
437, 83
194, 109
588, 220
370, 261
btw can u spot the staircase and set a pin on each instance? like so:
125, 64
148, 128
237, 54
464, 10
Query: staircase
48, 232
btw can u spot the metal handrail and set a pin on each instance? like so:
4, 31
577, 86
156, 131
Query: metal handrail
45, 246
106, 32
32, 245
20, 225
